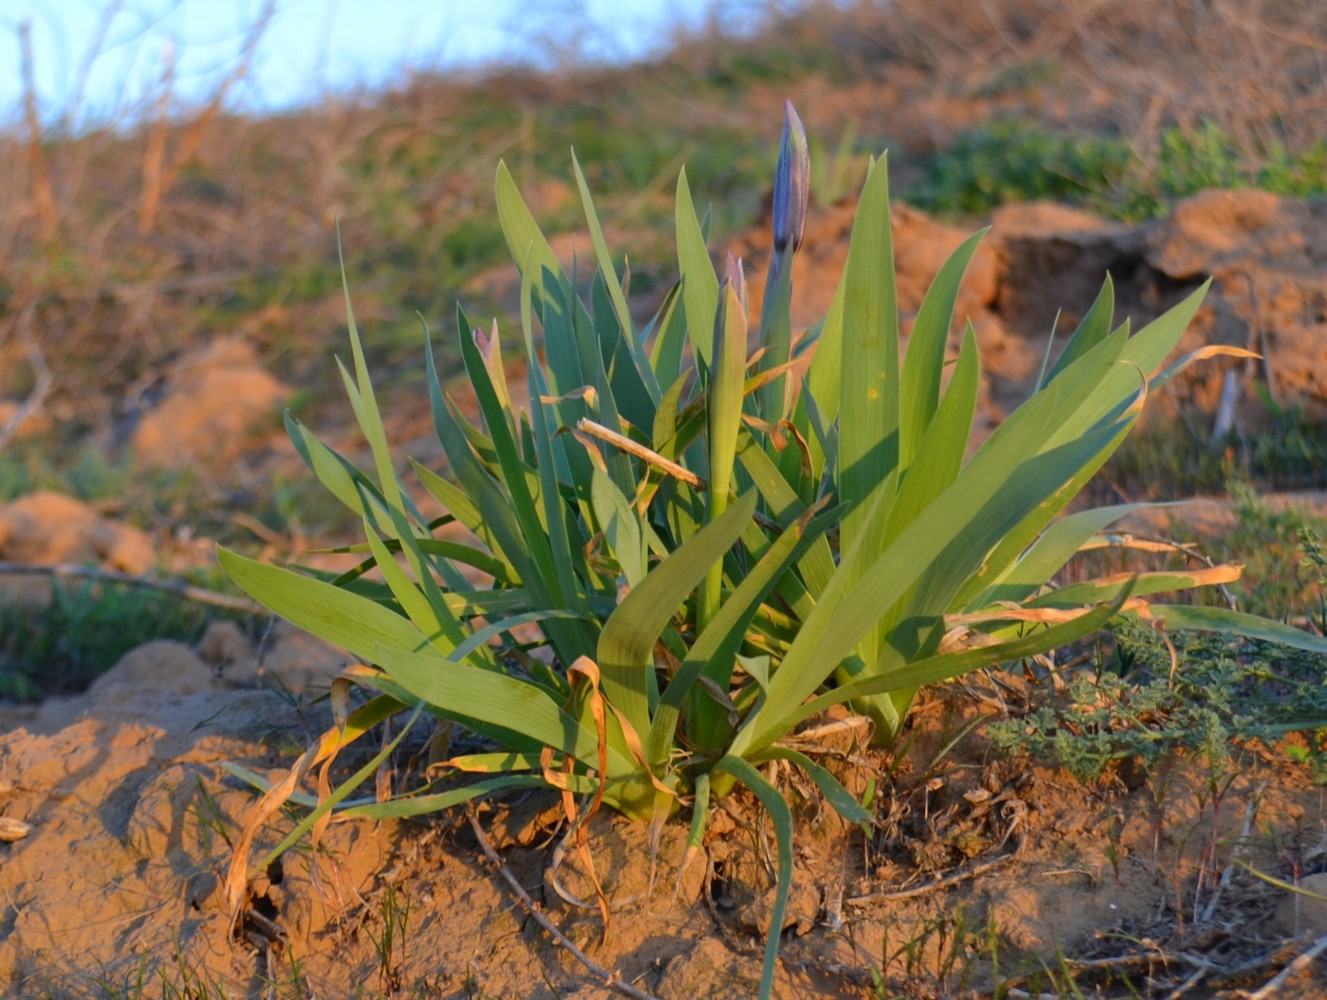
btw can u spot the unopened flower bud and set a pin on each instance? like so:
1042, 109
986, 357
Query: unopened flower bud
735, 276
792, 183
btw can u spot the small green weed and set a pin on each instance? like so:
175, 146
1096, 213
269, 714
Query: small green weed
1182, 459
85, 472
1283, 559
1017, 160
60, 647
937, 958
836, 175
1013, 160
391, 941
1209, 157
1147, 706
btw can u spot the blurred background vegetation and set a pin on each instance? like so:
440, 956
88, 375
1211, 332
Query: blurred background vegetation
125, 248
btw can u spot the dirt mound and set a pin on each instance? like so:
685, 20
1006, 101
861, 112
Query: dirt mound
1266, 254
48, 528
131, 818
217, 401
1268, 258
285, 659
129, 813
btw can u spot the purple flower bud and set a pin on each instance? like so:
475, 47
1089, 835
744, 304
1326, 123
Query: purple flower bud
734, 275
488, 346
792, 183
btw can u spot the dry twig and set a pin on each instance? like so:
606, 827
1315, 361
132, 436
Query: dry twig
610, 979
1274, 986
41, 375
1249, 811
158, 175
43, 193
949, 880
65, 571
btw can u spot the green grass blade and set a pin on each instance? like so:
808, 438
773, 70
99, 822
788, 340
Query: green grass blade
532, 530
455, 500
776, 332
869, 378
342, 618
338, 474
620, 356
421, 805
621, 527
670, 338
946, 544
700, 808
724, 419
1049, 554
626, 645
1093, 328
1237, 623
601, 254
453, 551
924, 363
817, 566
783, 835
943, 444
491, 502
340, 793
434, 621
700, 285
525, 241
663, 433
941, 667
575, 639
1075, 393
495, 699
714, 649
614, 287
834, 792
939, 460
1143, 584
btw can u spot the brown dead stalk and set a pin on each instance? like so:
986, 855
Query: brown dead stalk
39, 168
158, 173
610, 979
42, 379
200, 595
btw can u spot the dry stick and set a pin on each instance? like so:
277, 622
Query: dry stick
624, 443
158, 179
1272, 988
948, 880
42, 383
532, 908
1224, 882
43, 194
1134, 959
66, 571
154, 155
938, 884
108, 14
1189, 983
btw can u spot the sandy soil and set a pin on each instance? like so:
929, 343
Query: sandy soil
974, 856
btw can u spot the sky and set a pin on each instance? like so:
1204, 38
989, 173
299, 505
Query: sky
309, 49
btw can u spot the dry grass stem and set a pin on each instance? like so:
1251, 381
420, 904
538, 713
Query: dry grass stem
624, 443
610, 979
1274, 986
179, 588
43, 192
